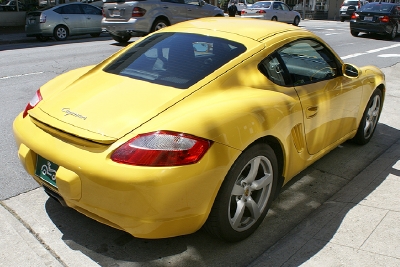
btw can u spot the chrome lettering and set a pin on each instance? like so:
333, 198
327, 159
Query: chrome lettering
67, 111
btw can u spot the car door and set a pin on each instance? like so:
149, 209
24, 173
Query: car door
278, 11
195, 11
93, 18
72, 15
176, 9
330, 101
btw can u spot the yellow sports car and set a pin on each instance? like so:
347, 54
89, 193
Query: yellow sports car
196, 125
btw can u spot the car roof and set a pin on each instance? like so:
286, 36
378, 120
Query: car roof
245, 27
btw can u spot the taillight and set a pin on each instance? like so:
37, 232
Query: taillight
260, 11
138, 12
103, 13
42, 18
162, 148
34, 101
354, 16
384, 19
242, 12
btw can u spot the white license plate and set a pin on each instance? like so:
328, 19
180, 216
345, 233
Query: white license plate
116, 12
368, 18
343, 13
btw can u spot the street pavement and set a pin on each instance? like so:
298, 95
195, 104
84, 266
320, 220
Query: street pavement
357, 226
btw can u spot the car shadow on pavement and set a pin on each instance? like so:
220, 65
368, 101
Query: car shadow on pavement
32, 42
302, 221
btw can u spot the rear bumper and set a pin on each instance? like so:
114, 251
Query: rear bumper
123, 28
371, 27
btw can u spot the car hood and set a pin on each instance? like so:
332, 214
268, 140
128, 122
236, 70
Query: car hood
104, 107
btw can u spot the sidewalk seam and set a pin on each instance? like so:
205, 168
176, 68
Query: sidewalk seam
33, 233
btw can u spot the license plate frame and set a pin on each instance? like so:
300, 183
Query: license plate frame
46, 170
368, 18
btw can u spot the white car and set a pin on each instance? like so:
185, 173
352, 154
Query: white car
272, 10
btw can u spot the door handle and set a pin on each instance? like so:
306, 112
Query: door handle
311, 112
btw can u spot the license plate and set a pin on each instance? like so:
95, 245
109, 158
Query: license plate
368, 18
343, 13
46, 170
116, 12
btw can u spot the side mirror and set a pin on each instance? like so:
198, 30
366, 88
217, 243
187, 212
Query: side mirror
350, 71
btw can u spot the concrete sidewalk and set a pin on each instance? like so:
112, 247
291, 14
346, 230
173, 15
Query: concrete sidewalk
357, 226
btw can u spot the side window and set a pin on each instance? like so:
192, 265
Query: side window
71, 9
174, 1
272, 68
192, 2
308, 61
88, 9
277, 6
285, 7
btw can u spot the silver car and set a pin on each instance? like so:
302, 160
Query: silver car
272, 10
64, 20
124, 19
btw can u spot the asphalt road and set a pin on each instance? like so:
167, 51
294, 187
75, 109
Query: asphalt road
25, 67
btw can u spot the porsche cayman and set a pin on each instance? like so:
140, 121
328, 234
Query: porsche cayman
197, 125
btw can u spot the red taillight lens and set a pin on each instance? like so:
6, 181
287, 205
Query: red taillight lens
354, 16
42, 18
242, 12
260, 11
103, 13
138, 12
34, 101
162, 148
384, 19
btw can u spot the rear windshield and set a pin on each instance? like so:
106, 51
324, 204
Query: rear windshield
261, 5
350, 3
175, 59
376, 7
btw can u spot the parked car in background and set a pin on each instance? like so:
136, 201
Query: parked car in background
197, 125
272, 10
12, 6
377, 17
348, 7
64, 20
124, 19
241, 4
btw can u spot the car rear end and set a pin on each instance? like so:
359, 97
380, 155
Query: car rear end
130, 18
348, 7
39, 22
375, 18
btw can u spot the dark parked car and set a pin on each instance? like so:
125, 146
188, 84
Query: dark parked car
348, 7
376, 17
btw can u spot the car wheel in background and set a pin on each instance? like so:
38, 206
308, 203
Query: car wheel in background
274, 19
97, 34
159, 24
342, 19
61, 33
121, 39
393, 33
296, 21
354, 33
370, 119
42, 38
245, 195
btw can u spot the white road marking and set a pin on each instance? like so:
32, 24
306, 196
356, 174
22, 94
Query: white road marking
371, 51
20, 75
389, 55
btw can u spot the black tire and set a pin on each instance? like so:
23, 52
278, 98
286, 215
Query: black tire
121, 39
61, 33
97, 34
245, 195
342, 19
296, 21
370, 118
158, 25
354, 33
42, 38
274, 18
393, 33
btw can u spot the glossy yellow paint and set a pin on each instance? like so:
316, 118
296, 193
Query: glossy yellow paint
234, 106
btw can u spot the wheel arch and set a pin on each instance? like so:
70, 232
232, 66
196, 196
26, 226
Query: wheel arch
161, 17
62, 25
